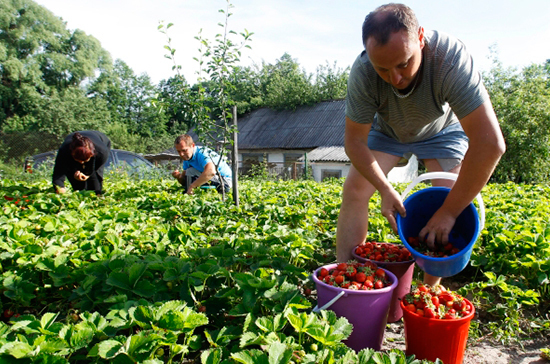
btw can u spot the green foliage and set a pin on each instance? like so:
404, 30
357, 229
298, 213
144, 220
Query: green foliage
522, 104
42, 66
146, 272
147, 267
514, 259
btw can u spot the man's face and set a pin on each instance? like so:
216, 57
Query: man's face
185, 151
398, 61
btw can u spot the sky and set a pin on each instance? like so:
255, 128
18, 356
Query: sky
313, 32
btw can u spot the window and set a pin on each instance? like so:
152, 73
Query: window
330, 173
252, 157
291, 158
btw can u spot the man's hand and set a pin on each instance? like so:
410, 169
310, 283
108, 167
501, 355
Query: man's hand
176, 174
437, 230
80, 176
391, 206
60, 190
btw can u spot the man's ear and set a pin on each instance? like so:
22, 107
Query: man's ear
421, 37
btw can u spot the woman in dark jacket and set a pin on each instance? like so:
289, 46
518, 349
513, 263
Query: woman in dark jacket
81, 158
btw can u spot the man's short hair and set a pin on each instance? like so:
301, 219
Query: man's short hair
388, 19
186, 138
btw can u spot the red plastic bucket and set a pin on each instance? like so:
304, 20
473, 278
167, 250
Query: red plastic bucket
429, 338
367, 311
404, 272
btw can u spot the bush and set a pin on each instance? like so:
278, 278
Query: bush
522, 104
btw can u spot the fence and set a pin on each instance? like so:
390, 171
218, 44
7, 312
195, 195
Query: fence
15, 147
286, 171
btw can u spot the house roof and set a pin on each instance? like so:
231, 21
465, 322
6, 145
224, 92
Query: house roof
327, 154
306, 127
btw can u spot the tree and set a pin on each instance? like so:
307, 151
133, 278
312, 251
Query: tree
40, 63
285, 86
175, 104
331, 83
522, 104
129, 98
217, 62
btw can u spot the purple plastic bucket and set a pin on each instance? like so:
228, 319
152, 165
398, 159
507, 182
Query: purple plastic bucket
367, 311
403, 271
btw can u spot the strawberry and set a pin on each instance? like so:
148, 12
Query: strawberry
360, 277
342, 266
380, 273
350, 272
429, 312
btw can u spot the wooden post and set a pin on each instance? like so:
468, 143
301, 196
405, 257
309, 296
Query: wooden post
235, 159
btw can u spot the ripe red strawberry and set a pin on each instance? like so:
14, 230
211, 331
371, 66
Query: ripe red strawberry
360, 277
380, 273
342, 266
323, 272
429, 313
350, 272
459, 305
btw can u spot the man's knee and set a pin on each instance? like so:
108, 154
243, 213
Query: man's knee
358, 188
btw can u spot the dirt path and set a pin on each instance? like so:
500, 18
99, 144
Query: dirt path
482, 352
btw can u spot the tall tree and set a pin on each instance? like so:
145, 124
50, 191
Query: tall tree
129, 98
331, 82
285, 85
522, 103
43, 64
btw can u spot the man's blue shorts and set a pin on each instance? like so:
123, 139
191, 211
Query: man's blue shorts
448, 146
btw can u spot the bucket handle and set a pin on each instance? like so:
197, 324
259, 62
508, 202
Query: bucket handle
449, 176
329, 303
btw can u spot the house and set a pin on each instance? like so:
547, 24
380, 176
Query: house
310, 135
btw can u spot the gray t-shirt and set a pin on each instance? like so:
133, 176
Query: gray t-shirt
450, 89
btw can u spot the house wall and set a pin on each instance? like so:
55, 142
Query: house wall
397, 175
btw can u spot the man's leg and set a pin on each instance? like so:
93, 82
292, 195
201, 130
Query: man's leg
353, 219
432, 165
191, 174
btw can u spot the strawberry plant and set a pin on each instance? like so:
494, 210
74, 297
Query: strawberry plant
236, 280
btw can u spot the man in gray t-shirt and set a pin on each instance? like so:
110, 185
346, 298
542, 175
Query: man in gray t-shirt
413, 92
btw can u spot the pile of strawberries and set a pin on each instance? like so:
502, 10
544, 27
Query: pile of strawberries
18, 201
356, 276
436, 302
439, 251
383, 252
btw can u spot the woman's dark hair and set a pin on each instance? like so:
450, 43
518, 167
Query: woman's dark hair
81, 147
388, 19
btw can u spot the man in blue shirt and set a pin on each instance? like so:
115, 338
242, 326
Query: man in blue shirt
199, 166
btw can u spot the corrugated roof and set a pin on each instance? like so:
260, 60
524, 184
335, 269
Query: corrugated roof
327, 154
306, 127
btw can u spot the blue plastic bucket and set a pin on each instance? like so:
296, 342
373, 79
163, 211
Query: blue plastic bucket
420, 207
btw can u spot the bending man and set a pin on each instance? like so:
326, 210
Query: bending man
413, 92
199, 166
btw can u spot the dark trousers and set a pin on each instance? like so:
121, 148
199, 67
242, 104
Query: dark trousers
93, 183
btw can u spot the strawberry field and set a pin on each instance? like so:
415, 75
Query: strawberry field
148, 274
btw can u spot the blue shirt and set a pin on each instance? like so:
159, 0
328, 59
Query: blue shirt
202, 156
